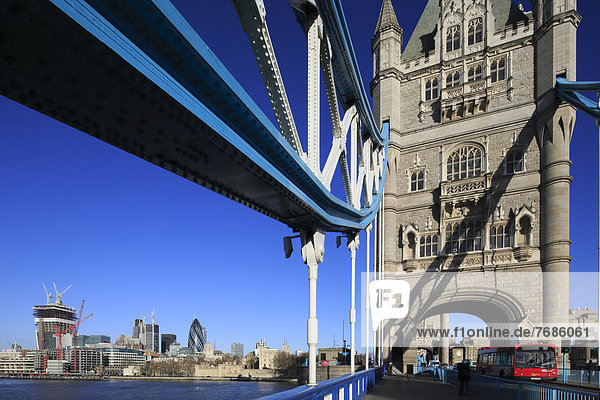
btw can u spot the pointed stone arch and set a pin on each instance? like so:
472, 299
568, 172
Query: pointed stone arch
410, 237
524, 224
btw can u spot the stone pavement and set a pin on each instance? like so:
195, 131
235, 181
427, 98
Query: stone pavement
421, 387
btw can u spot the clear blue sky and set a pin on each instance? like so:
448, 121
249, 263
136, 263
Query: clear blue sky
130, 236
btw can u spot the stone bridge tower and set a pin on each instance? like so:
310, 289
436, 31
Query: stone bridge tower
477, 196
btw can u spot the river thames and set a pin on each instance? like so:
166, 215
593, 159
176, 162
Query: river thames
136, 389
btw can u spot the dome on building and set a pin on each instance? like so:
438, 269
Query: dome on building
196, 337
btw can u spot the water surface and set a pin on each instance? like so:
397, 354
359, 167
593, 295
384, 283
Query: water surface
136, 389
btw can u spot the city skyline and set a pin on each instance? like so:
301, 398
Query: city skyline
80, 211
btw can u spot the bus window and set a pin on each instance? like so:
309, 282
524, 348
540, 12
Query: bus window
534, 358
509, 360
502, 358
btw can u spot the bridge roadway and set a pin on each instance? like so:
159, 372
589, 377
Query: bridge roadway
411, 387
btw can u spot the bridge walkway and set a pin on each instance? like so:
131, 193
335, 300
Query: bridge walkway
422, 387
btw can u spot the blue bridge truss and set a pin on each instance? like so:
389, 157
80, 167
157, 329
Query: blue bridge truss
136, 75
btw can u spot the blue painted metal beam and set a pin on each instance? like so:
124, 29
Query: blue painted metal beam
349, 84
568, 91
137, 76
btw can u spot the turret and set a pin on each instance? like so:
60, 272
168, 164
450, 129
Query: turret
555, 39
555, 52
386, 44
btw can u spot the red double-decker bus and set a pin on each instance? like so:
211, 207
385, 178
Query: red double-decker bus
523, 361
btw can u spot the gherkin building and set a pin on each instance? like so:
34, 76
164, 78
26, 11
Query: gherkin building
197, 337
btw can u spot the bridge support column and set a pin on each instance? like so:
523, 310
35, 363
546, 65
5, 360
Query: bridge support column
445, 342
352, 246
313, 248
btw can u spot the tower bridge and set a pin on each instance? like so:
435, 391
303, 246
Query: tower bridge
462, 165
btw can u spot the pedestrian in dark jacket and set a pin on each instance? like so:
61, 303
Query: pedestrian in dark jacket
464, 376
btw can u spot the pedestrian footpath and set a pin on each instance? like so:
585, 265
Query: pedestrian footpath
421, 387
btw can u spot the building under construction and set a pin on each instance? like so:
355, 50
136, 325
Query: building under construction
87, 359
50, 316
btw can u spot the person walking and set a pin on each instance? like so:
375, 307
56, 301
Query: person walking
464, 376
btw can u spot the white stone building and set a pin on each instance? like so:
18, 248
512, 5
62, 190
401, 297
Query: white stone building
478, 167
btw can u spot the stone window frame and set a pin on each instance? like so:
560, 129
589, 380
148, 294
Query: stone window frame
431, 92
457, 150
406, 232
452, 78
524, 212
454, 238
513, 151
476, 33
507, 235
433, 246
499, 73
477, 72
415, 172
453, 36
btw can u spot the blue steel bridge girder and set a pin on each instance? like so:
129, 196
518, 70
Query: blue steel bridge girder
330, 54
136, 75
570, 92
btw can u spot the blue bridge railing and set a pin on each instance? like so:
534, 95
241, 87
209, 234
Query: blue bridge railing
492, 388
352, 386
579, 377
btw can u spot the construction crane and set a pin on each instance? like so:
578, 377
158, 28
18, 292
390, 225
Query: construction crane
76, 333
153, 343
60, 334
48, 295
60, 294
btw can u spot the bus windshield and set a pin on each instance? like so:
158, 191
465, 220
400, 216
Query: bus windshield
543, 357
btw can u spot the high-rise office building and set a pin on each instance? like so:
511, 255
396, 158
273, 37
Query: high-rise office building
196, 337
166, 340
237, 349
149, 335
89, 340
137, 327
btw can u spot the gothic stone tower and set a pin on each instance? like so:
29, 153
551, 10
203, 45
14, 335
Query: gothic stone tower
479, 151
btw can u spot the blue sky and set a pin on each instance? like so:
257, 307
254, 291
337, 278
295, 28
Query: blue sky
130, 236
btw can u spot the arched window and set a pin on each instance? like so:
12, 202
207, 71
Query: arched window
417, 181
499, 236
524, 233
464, 163
453, 38
452, 79
498, 70
431, 89
463, 237
475, 31
475, 73
428, 245
514, 162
